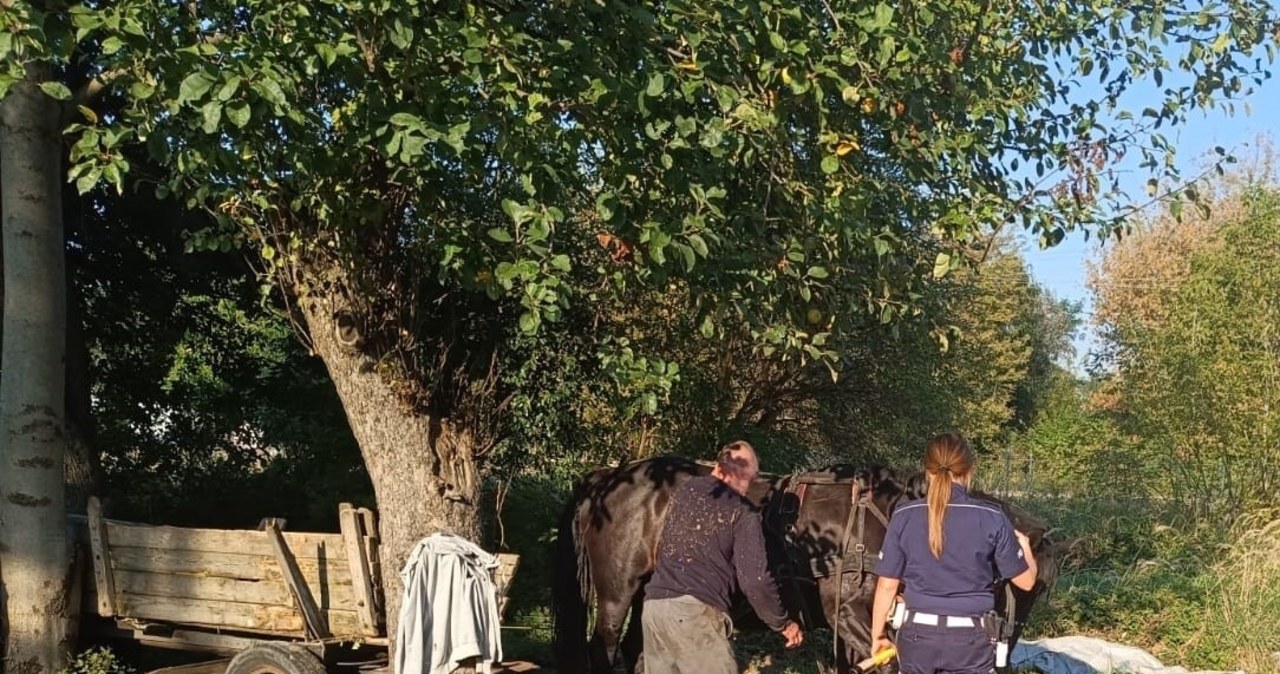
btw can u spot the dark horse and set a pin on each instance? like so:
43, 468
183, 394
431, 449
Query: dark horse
824, 530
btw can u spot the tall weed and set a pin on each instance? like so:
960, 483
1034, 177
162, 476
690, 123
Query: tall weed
1244, 614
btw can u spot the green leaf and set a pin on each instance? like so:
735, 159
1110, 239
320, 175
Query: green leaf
500, 234
708, 327
941, 265
778, 42
687, 256
473, 56
401, 35
229, 88
270, 90
132, 27
685, 126
407, 120
698, 244
239, 114
111, 45
194, 87
212, 113
56, 90
88, 114
88, 180
529, 321
830, 164
656, 83
602, 207
561, 263
817, 272
140, 91
882, 247
327, 53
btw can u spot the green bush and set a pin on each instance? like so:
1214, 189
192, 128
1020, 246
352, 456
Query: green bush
97, 661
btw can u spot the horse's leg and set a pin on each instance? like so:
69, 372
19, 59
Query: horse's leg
606, 652
851, 624
633, 641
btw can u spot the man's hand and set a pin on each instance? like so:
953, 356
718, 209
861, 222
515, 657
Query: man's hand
879, 643
793, 634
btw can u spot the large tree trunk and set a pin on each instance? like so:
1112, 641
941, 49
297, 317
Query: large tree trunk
34, 554
422, 467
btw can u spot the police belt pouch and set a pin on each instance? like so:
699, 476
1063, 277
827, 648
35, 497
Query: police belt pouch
999, 630
898, 614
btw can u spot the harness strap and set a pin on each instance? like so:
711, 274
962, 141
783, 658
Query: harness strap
1010, 607
855, 506
793, 577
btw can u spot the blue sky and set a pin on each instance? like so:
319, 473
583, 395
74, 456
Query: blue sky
1062, 269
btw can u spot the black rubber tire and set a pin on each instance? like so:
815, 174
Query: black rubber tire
275, 658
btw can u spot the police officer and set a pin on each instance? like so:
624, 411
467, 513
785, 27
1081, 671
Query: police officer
948, 549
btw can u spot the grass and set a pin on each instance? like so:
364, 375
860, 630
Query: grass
1247, 595
1150, 575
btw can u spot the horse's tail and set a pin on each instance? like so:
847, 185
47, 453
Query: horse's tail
572, 589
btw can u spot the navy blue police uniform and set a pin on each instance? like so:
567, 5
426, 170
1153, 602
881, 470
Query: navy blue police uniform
945, 597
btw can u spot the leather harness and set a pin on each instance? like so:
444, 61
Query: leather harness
860, 503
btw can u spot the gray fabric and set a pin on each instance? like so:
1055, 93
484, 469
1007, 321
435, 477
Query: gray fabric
682, 635
1088, 655
450, 609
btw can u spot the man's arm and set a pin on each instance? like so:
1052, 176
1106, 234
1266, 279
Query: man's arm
751, 565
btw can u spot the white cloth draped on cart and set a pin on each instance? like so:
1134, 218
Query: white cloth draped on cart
450, 609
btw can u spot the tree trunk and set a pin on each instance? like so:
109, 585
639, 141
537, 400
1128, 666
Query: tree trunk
34, 554
422, 467
83, 471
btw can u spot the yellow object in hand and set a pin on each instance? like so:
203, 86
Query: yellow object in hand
877, 660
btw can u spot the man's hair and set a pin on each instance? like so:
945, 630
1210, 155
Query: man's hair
734, 460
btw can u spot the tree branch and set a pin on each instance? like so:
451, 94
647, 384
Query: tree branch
95, 86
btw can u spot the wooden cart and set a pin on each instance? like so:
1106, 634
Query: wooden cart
276, 602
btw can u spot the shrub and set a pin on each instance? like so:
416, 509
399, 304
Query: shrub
98, 661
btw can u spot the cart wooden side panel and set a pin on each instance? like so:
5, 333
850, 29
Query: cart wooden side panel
226, 579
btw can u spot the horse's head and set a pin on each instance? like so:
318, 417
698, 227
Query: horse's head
1049, 553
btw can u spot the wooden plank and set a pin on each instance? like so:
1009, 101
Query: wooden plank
213, 588
503, 575
226, 565
99, 542
242, 541
219, 588
358, 564
316, 625
281, 620
373, 554
210, 667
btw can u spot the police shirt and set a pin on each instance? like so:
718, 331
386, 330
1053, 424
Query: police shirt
978, 547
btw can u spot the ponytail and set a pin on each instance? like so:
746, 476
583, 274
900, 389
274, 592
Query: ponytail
947, 455
939, 497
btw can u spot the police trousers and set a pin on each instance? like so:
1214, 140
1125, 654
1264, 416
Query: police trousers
682, 635
932, 649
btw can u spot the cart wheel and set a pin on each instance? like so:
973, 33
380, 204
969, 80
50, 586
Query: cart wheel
275, 658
